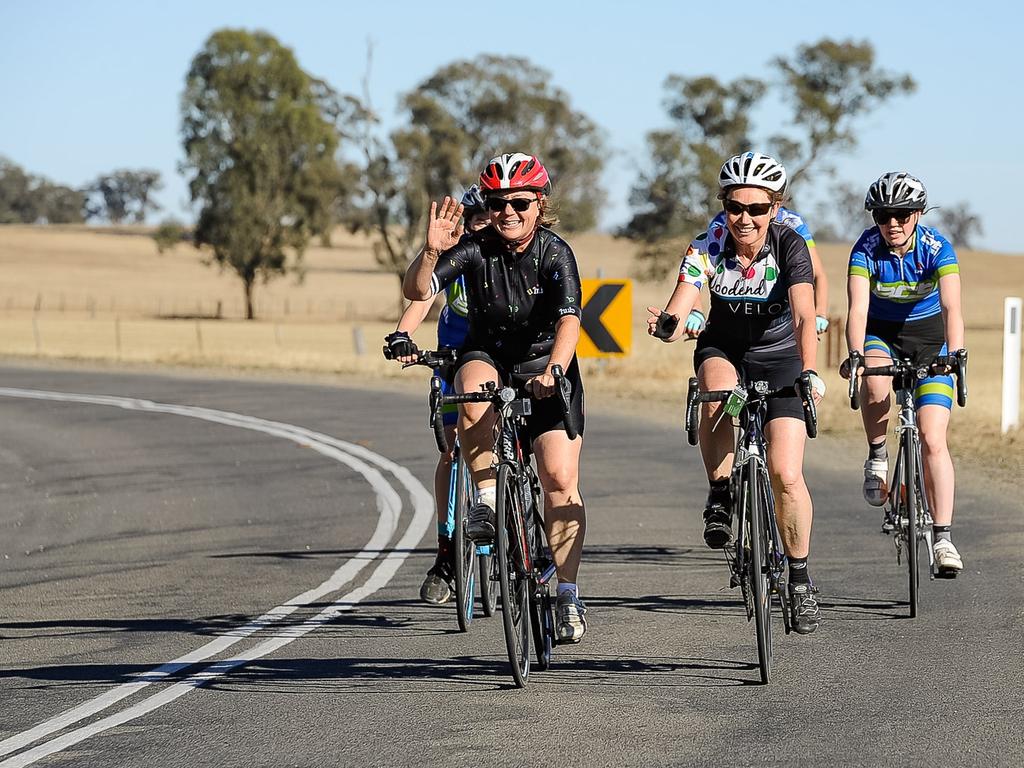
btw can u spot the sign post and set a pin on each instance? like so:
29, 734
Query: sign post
1011, 362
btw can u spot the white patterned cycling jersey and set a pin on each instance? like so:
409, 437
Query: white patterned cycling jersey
749, 306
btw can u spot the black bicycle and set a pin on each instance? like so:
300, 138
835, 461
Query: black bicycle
756, 559
469, 559
907, 514
523, 562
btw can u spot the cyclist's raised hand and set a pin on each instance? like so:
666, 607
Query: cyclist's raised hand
663, 326
444, 225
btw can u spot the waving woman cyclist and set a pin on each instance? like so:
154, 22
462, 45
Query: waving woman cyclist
452, 326
904, 293
760, 326
523, 286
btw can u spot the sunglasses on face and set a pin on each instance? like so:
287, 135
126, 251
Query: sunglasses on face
738, 209
883, 215
497, 204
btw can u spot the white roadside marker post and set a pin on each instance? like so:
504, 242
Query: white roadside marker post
1012, 308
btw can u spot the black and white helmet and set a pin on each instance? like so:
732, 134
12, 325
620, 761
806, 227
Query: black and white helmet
752, 169
899, 190
472, 200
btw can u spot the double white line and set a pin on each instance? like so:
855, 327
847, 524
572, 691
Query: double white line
389, 505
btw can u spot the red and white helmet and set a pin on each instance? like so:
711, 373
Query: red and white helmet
515, 170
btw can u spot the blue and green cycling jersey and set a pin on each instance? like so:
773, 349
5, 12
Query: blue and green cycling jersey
791, 219
903, 288
453, 324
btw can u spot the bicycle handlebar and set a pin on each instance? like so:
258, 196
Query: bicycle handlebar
755, 391
497, 396
565, 400
939, 366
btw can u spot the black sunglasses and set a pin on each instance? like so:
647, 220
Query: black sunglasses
882, 215
497, 204
754, 209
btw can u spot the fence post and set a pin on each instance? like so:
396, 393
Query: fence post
357, 340
35, 332
117, 335
199, 337
1012, 307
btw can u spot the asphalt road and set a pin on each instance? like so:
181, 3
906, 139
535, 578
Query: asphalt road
186, 587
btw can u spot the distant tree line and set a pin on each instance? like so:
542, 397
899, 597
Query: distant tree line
275, 156
118, 197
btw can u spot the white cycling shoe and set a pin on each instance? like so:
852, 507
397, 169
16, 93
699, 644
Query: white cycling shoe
876, 484
948, 562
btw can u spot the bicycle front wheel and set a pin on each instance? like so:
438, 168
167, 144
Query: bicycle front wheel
760, 588
908, 500
464, 549
513, 577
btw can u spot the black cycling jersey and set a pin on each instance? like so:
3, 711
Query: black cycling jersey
750, 307
515, 299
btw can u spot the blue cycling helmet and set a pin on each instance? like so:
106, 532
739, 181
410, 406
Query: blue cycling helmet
473, 201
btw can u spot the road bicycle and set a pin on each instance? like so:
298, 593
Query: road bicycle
756, 559
906, 512
472, 563
523, 564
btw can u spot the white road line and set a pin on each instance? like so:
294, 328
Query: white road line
378, 579
389, 504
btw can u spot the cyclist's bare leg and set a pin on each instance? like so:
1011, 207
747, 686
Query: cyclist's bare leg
793, 510
558, 468
476, 421
939, 482
716, 442
443, 474
876, 397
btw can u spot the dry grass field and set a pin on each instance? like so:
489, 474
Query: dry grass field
91, 294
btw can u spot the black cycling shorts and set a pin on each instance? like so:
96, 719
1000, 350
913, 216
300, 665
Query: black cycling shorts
546, 413
918, 341
780, 368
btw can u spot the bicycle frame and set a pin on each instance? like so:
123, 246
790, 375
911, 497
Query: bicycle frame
909, 441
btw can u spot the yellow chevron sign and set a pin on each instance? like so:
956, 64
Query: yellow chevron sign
607, 318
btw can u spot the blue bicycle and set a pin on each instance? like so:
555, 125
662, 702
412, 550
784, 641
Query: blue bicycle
472, 563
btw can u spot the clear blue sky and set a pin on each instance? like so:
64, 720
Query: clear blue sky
89, 87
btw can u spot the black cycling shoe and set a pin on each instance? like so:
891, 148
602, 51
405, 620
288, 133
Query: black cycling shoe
439, 585
480, 523
803, 600
717, 525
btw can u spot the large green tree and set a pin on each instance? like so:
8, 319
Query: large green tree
259, 148
124, 194
829, 86
456, 120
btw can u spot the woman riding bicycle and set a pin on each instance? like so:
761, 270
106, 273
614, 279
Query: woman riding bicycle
761, 327
696, 319
452, 326
903, 288
524, 318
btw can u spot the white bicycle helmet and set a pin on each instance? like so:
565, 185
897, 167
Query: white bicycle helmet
472, 200
898, 190
752, 169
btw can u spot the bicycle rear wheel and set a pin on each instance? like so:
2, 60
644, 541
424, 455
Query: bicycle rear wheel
513, 577
760, 588
909, 502
464, 549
